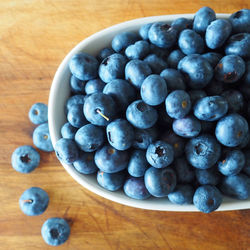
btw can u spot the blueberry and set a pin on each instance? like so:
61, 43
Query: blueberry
214, 88
77, 86
38, 113
25, 159
240, 21
111, 160
136, 71
120, 134
210, 108
234, 99
94, 86
83, 66
173, 79
122, 40
197, 71
112, 67
230, 69
156, 63
99, 109
66, 150
178, 104
34, 201
89, 137
154, 90
209, 176
41, 138
159, 52
160, 182
55, 231
68, 131
232, 162
246, 168
203, 151
207, 198
141, 115
75, 116
196, 94
160, 154
111, 182
217, 33
162, 35
203, 17
182, 194
236, 186
187, 127
138, 50
184, 171
238, 44
143, 31
105, 52
144, 137
138, 164
75, 100
231, 130
85, 163
122, 93
182, 23
212, 57
190, 42
135, 188
174, 57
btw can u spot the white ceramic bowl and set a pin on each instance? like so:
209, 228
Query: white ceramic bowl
60, 91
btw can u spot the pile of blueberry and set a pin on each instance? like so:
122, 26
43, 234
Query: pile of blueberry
164, 112
25, 159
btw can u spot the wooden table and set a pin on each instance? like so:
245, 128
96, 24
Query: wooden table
35, 35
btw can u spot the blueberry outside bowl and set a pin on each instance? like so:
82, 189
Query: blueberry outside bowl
60, 91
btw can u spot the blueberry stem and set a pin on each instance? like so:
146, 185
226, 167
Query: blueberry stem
27, 201
100, 113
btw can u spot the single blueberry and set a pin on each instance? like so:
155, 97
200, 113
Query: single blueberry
84, 66
55, 231
66, 150
212, 57
174, 57
34, 201
209, 176
144, 137
111, 160
68, 131
160, 182
182, 194
141, 115
94, 86
89, 137
234, 99
203, 151
25, 159
160, 154
178, 104
74, 100
138, 50
240, 21
156, 63
41, 138
143, 31
77, 86
38, 113
231, 130
105, 52
207, 198
182, 23
75, 116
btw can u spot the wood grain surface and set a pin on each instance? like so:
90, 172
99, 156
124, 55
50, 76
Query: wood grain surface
35, 35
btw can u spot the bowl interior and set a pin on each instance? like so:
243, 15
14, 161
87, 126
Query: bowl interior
60, 91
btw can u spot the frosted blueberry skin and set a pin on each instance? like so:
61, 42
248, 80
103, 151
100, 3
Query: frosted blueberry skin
240, 21
111, 182
38, 113
111, 160
143, 31
207, 198
182, 23
89, 137
160, 182
55, 231
210, 176
84, 66
134, 187
85, 163
231, 130
74, 100
66, 150
160, 154
138, 50
156, 63
230, 69
210, 108
174, 57
182, 194
105, 53
75, 116
34, 201
217, 33
41, 138
236, 186
212, 57
68, 131
25, 159
203, 151
94, 86
77, 86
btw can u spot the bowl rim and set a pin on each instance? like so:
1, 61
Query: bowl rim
120, 197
